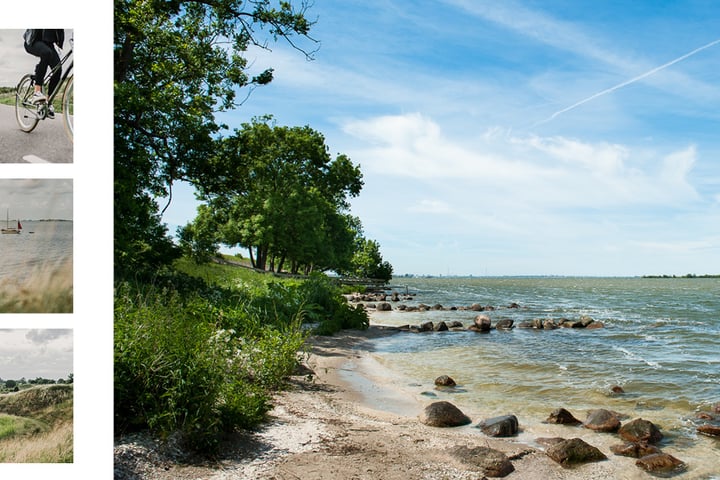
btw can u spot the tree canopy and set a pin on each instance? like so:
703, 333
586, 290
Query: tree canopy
284, 198
176, 64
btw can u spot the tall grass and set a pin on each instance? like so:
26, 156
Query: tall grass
196, 362
46, 290
51, 446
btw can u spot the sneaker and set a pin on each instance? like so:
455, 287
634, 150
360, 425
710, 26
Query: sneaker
51, 111
39, 97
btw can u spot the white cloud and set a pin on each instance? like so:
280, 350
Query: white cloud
532, 170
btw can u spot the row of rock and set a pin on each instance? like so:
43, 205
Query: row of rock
483, 323
639, 436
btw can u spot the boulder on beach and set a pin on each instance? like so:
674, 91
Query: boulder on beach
492, 463
661, 463
711, 430
562, 417
634, 449
602, 420
443, 414
503, 426
384, 307
574, 452
640, 430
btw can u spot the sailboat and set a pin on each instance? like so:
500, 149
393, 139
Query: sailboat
8, 228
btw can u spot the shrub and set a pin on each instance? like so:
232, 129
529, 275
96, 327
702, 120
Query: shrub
177, 368
327, 307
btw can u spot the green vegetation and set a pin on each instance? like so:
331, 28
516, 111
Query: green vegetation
36, 425
202, 357
7, 95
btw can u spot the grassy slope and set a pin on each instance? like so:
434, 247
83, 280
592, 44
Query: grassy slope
36, 425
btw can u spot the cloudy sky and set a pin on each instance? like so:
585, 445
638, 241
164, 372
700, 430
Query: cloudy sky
516, 137
35, 199
36, 353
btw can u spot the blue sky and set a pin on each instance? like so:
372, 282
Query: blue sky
515, 137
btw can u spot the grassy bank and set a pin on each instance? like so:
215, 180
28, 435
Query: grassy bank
199, 350
36, 425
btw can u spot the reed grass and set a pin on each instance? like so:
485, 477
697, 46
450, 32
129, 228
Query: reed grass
48, 289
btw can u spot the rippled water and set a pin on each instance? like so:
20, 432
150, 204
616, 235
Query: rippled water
40, 246
661, 344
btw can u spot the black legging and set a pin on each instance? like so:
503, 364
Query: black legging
48, 58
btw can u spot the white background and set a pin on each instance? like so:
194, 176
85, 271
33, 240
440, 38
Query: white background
92, 173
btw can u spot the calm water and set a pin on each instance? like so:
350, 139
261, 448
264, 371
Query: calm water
661, 343
48, 246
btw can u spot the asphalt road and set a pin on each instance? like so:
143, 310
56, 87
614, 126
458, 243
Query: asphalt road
48, 143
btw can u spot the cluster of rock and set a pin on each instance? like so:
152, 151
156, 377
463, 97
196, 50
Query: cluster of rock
383, 302
710, 422
639, 436
483, 323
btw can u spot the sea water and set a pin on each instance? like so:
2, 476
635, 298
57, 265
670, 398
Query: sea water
660, 343
42, 246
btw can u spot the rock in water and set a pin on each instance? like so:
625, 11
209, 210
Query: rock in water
574, 452
640, 430
444, 381
660, 463
634, 449
504, 426
602, 421
562, 417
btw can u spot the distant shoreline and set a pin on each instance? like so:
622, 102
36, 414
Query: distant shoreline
45, 220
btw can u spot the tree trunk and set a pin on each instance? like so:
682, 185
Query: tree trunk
252, 258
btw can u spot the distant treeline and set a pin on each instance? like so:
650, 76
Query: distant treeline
15, 385
689, 275
48, 220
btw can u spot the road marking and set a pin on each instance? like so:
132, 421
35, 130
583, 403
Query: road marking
34, 159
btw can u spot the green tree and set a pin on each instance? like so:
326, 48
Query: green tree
283, 197
368, 261
176, 64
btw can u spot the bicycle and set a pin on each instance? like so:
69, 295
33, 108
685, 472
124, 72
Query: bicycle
29, 114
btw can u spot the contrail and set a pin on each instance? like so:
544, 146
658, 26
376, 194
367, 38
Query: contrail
628, 82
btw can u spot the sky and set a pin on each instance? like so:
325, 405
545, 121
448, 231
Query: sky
32, 353
516, 137
37, 198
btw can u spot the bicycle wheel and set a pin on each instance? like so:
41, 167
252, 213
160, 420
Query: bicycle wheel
25, 112
68, 101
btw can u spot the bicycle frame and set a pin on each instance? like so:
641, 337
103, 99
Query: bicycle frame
52, 71
29, 113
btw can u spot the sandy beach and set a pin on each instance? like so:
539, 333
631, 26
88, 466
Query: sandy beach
346, 417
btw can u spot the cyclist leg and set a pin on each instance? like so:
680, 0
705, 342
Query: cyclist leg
48, 56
